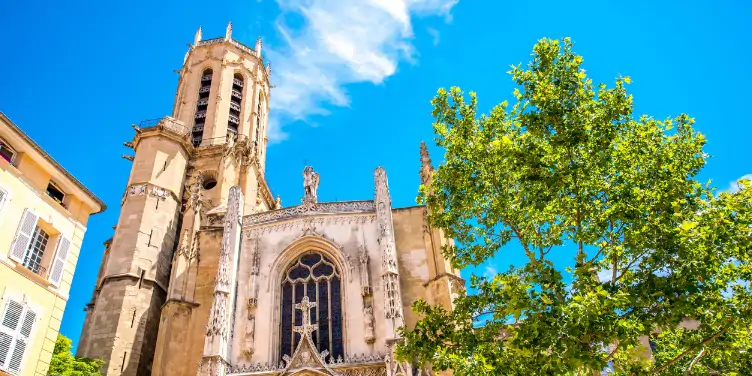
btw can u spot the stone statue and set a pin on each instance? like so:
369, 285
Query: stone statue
368, 317
250, 330
196, 198
310, 184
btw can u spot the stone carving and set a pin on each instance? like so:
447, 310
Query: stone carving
160, 193
238, 150
370, 371
368, 317
394, 367
328, 220
250, 329
218, 328
456, 285
212, 366
310, 184
390, 274
426, 169
195, 196
310, 209
217, 325
365, 273
306, 355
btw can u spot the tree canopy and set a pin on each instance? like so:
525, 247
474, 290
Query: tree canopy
567, 170
63, 363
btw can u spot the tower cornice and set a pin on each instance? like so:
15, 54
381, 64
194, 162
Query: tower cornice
168, 127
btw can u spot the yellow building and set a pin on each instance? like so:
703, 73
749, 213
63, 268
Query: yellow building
43, 216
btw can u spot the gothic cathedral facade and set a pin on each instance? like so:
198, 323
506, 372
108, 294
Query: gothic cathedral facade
207, 274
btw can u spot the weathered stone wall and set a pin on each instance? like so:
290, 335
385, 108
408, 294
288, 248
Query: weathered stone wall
413, 258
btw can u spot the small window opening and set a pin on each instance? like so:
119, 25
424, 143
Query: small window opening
7, 153
56, 193
209, 184
35, 252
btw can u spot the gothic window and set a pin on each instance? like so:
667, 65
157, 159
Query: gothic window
315, 276
201, 106
236, 98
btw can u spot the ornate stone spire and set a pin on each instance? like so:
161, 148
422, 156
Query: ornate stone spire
426, 168
197, 38
258, 47
228, 32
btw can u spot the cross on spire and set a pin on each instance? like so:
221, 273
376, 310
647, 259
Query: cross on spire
307, 328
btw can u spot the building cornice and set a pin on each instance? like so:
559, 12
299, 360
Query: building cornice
20, 133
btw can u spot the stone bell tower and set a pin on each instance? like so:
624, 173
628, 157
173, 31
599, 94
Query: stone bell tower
183, 168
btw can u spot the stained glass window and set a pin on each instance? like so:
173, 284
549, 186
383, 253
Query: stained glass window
315, 276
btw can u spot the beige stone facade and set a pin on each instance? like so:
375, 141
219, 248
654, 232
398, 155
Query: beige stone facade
207, 274
43, 216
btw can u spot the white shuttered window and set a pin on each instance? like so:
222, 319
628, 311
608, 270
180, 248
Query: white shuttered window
16, 325
23, 235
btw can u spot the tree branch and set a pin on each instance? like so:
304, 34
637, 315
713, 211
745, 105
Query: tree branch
687, 351
692, 364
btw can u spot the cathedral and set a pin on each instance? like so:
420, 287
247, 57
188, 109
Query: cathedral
207, 273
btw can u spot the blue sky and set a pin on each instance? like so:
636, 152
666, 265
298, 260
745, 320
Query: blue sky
354, 81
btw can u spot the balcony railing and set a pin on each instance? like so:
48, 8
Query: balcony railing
168, 123
210, 41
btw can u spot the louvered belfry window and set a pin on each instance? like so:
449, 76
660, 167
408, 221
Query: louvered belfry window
16, 324
202, 106
315, 276
236, 99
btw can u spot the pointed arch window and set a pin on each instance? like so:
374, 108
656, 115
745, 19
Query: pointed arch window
313, 275
201, 106
236, 99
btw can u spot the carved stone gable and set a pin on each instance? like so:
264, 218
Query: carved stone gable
306, 360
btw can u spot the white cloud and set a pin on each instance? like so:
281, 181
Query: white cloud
434, 34
490, 272
339, 43
604, 275
735, 186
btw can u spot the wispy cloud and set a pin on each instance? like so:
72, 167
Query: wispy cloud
490, 272
434, 34
339, 43
735, 186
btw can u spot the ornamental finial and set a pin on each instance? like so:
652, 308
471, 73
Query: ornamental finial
228, 32
426, 169
258, 47
198, 36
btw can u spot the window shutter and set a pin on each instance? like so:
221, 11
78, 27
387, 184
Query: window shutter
3, 196
56, 273
8, 325
22, 340
23, 235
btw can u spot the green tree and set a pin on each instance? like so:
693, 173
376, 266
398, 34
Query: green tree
63, 363
567, 172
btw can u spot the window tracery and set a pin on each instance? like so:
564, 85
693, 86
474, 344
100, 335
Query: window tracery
313, 275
